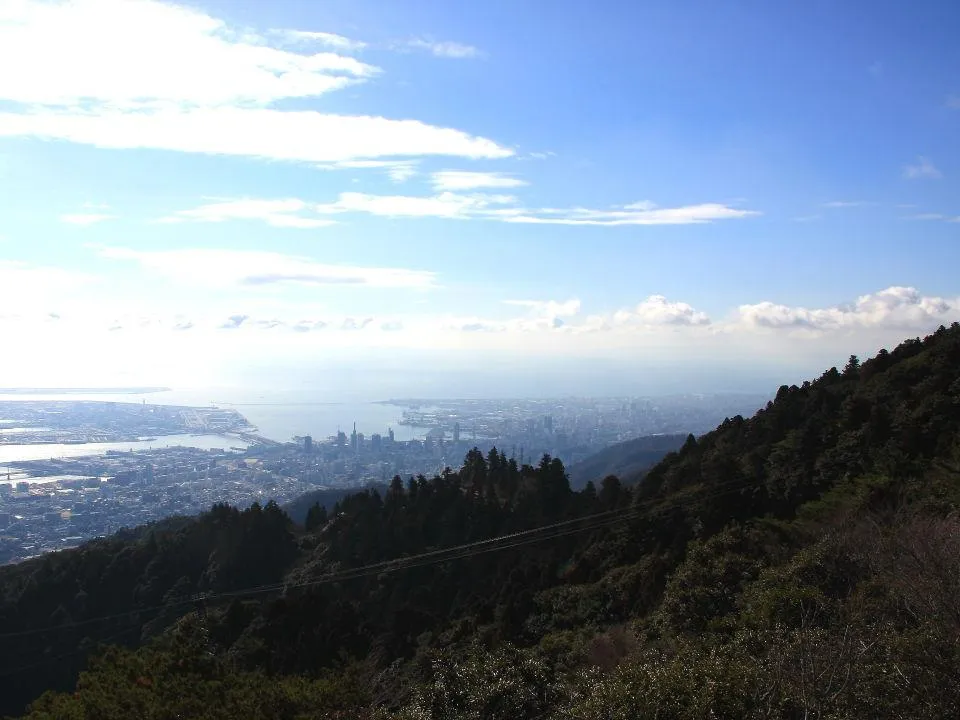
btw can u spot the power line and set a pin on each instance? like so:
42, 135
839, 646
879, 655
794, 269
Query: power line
596, 521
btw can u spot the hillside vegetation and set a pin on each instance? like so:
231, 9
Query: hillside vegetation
629, 459
803, 563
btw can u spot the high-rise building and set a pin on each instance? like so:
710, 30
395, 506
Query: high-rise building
456, 432
307, 444
376, 442
548, 423
390, 434
353, 439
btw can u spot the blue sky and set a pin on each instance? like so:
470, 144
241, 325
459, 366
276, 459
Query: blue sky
229, 188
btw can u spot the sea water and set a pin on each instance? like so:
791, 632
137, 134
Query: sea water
277, 415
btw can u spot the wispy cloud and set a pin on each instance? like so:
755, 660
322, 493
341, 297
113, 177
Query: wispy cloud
276, 213
249, 268
331, 40
639, 214
466, 180
397, 170
935, 216
922, 168
834, 204
806, 218
86, 218
296, 213
217, 94
953, 101
445, 205
445, 49
505, 208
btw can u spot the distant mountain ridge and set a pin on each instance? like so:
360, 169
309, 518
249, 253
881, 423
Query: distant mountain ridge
327, 498
628, 459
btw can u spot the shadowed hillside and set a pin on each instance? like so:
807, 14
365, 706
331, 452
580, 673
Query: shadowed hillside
626, 459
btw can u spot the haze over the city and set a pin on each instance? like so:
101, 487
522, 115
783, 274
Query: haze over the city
466, 199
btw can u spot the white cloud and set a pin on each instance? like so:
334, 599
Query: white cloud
923, 168
888, 313
450, 205
331, 40
304, 136
293, 212
899, 308
504, 208
129, 74
277, 213
655, 314
401, 172
444, 49
636, 214
656, 310
397, 170
542, 314
444, 205
896, 310
935, 216
848, 203
133, 52
250, 268
85, 218
466, 180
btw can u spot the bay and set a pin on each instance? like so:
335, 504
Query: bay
47, 451
277, 415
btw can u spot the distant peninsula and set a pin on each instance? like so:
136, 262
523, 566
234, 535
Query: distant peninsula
84, 391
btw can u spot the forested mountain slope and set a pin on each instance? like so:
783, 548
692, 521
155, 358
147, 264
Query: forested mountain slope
630, 458
801, 563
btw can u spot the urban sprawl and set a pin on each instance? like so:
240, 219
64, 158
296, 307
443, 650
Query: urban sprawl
51, 504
